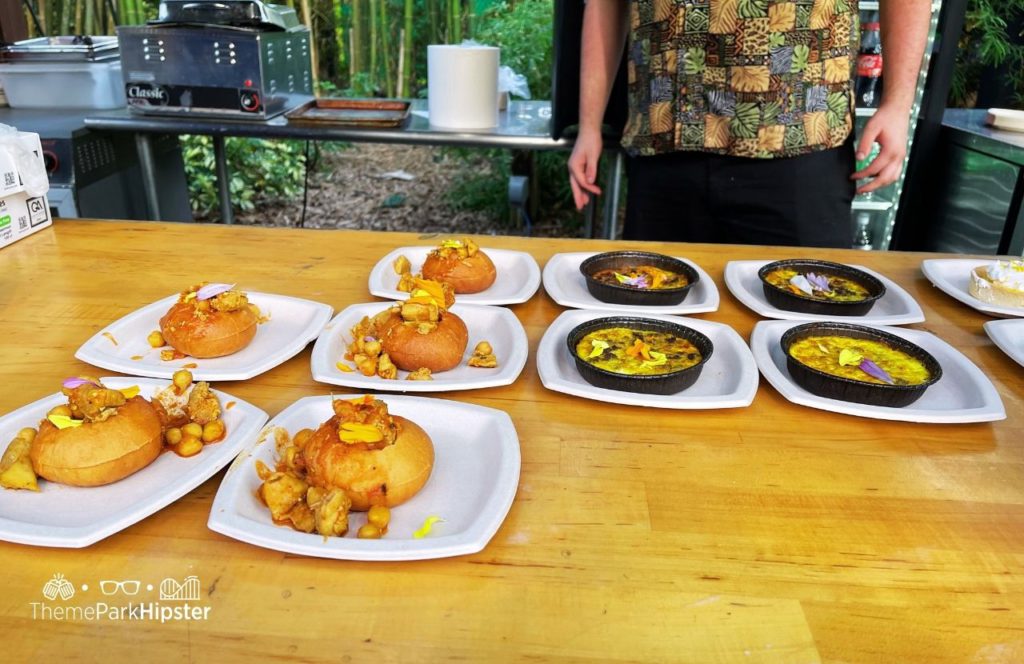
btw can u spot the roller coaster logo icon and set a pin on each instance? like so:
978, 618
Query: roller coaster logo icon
185, 591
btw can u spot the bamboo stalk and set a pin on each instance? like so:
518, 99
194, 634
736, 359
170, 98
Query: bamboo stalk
385, 47
374, 38
79, 18
401, 65
356, 36
88, 25
407, 46
66, 9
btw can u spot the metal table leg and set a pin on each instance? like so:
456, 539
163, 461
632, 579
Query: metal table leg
144, 146
613, 185
227, 216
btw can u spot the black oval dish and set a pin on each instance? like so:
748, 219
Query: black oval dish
784, 299
835, 387
621, 294
668, 383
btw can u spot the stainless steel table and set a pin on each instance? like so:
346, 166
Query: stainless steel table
525, 125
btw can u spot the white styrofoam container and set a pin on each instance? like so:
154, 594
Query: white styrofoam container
63, 84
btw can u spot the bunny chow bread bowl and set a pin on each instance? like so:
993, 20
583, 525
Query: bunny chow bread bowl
103, 435
210, 320
1000, 283
459, 263
362, 459
117, 436
417, 334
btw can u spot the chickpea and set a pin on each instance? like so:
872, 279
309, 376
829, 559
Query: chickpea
369, 531
193, 429
301, 438
182, 378
189, 446
483, 348
213, 431
173, 436
155, 339
380, 516
62, 409
28, 433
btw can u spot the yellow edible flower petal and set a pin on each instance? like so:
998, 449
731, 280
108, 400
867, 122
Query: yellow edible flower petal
849, 358
130, 392
599, 347
63, 421
353, 432
344, 367
451, 244
657, 359
425, 529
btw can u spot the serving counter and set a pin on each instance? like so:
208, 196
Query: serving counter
771, 533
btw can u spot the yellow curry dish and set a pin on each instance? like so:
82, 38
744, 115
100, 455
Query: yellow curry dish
632, 352
817, 285
643, 277
864, 360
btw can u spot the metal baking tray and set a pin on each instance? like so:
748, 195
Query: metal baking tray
62, 49
336, 111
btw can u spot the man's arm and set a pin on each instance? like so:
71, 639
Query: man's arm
605, 25
904, 26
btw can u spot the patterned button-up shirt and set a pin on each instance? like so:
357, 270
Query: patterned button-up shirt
749, 78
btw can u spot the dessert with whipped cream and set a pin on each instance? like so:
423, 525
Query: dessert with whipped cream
1001, 282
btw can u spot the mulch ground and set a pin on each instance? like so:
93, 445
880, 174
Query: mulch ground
351, 189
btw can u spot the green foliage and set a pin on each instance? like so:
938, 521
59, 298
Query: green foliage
523, 32
259, 170
986, 42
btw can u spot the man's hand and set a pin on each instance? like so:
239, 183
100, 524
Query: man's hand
887, 127
583, 167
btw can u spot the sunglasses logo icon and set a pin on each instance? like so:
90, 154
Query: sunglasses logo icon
111, 587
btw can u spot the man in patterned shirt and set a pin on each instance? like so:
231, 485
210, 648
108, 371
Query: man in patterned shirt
741, 114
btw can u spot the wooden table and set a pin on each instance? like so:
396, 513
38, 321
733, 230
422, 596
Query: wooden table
764, 534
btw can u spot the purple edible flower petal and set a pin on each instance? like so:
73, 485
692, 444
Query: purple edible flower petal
212, 290
72, 383
819, 281
368, 338
638, 281
872, 369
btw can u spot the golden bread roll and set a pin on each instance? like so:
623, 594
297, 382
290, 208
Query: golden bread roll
471, 274
440, 349
97, 453
388, 476
208, 333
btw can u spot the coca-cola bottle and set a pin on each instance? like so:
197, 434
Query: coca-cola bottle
869, 64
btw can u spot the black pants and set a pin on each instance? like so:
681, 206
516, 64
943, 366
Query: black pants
698, 197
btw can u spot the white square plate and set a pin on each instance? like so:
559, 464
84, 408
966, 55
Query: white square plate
952, 276
293, 324
472, 485
728, 380
567, 287
896, 307
963, 394
74, 517
1008, 335
517, 276
496, 325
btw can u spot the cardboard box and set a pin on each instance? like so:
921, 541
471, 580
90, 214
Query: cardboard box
21, 214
